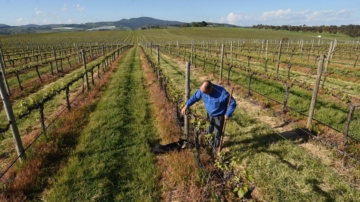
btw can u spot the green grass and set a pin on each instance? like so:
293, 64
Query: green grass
112, 161
282, 170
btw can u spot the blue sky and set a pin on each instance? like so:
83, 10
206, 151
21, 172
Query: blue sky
240, 12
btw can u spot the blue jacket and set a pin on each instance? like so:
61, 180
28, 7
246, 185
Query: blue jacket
215, 103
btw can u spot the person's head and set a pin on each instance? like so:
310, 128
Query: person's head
206, 87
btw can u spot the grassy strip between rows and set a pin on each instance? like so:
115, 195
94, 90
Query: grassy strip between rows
282, 171
112, 161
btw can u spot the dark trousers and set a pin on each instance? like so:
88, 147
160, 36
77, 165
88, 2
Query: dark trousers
216, 126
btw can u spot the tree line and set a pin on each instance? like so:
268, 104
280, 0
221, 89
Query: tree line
349, 30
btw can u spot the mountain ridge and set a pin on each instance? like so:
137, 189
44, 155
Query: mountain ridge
131, 23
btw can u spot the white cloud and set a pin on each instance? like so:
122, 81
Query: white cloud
289, 16
69, 21
65, 8
78, 7
20, 20
233, 18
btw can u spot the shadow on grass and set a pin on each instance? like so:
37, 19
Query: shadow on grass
260, 143
316, 188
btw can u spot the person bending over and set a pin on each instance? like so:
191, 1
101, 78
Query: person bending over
215, 99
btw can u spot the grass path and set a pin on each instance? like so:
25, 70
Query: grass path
112, 161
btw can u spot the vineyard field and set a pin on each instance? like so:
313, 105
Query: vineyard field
89, 105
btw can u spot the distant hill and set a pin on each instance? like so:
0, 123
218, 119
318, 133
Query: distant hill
145, 21
132, 23
31, 25
4, 26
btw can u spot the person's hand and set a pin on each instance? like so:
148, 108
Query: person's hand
226, 118
183, 110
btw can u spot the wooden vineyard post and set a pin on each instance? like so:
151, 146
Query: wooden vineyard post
158, 55
301, 47
312, 46
2, 56
150, 49
187, 96
221, 62
346, 132
266, 54
279, 56
333, 48
329, 55
316, 88
12, 121
2, 66
178, 48
86, 73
